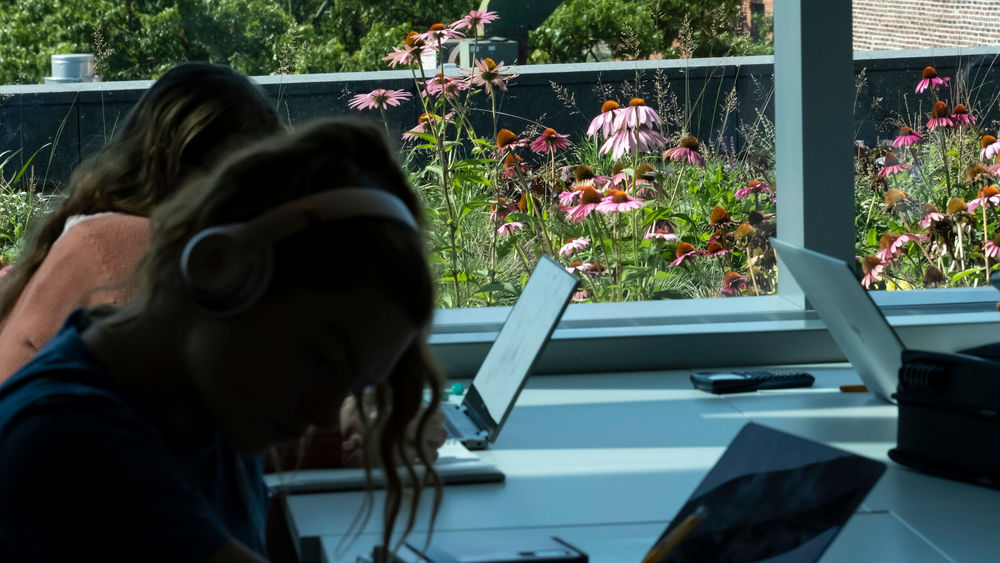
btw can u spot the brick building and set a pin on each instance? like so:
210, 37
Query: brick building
919, 24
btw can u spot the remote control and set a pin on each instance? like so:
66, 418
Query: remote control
750, 380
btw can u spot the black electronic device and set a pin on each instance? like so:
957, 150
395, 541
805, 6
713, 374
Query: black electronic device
750, 380
512, 547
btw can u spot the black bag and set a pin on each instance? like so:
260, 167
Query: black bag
948, 415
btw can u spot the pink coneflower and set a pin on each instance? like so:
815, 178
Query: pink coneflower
549, 140
638, 114
661, 229
438, 33
509, 228
579, 295
891, 244
988, 196
990, 147
754, 187
930, 78
475, 19
873, 267
939, 116
907, 138
588, 201
616, 200
509, 162
424, 124
960, 115
489, 74
992, 247
625, 141
502, 208
715, 248
689, 150
413, 49
604, 123
569, 197
378, 98
441, 84
586, 268
931, 215
733, 283
574, 245
685, 251
891, 165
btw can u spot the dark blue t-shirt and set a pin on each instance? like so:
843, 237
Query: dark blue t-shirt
85, 477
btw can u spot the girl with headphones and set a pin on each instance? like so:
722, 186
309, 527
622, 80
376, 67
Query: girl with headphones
289, 278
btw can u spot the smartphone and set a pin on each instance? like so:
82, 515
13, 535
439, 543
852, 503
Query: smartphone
750, 380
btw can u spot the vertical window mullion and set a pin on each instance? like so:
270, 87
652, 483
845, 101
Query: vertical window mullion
814, 128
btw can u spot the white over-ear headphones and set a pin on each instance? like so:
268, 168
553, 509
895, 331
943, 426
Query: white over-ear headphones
228, 268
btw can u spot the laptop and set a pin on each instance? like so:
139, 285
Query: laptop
855, 322
772, 497
477, 421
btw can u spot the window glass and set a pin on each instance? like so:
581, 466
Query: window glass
925, 152
649, 173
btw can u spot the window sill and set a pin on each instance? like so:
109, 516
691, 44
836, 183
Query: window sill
659, 335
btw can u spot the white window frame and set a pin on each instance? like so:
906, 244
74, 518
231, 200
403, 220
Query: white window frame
814, 82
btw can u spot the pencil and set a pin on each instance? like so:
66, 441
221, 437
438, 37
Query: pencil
667, 544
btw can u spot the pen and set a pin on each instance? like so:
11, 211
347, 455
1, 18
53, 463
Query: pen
667, 544
853, 389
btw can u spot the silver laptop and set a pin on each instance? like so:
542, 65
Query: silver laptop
476, 422
853, 319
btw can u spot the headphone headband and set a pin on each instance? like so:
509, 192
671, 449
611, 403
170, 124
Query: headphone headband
229, 267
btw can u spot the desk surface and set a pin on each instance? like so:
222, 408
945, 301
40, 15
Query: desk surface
604, 462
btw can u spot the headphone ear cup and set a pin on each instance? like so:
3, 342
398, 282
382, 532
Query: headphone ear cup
222, 279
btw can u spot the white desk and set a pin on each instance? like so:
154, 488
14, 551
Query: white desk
604, 462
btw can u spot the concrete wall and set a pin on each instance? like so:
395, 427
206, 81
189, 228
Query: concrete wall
77, 119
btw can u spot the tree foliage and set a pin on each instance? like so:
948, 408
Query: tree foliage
140, 39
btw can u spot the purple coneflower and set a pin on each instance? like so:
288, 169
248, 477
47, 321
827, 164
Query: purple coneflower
574, 245
873, 267
588, 201
509, 228
685, 251
616, 200
502, 208
990, 147
438, 33
626, 140
549, 140
689, 150
413, 49
441, 84
891, 244
754, 187
939, 116
489, 74
661, 229
992, 247
930, 78
988, 196
378, 98
604, 123
960, 115
638, 114
891, 165
907, 138
423, 125
586, 268
475, 19
715, 248
508, 166
931, 215
579, 295
733, 283
569, 197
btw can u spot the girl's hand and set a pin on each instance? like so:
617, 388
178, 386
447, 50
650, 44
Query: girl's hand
352, 447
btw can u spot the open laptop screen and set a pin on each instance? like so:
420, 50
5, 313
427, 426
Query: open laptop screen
854, 321
524, 334
774, 497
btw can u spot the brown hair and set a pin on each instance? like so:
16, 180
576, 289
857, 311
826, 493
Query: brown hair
192, 116
337, 256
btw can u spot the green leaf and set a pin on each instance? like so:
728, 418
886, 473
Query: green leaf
965, 273
500, 287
